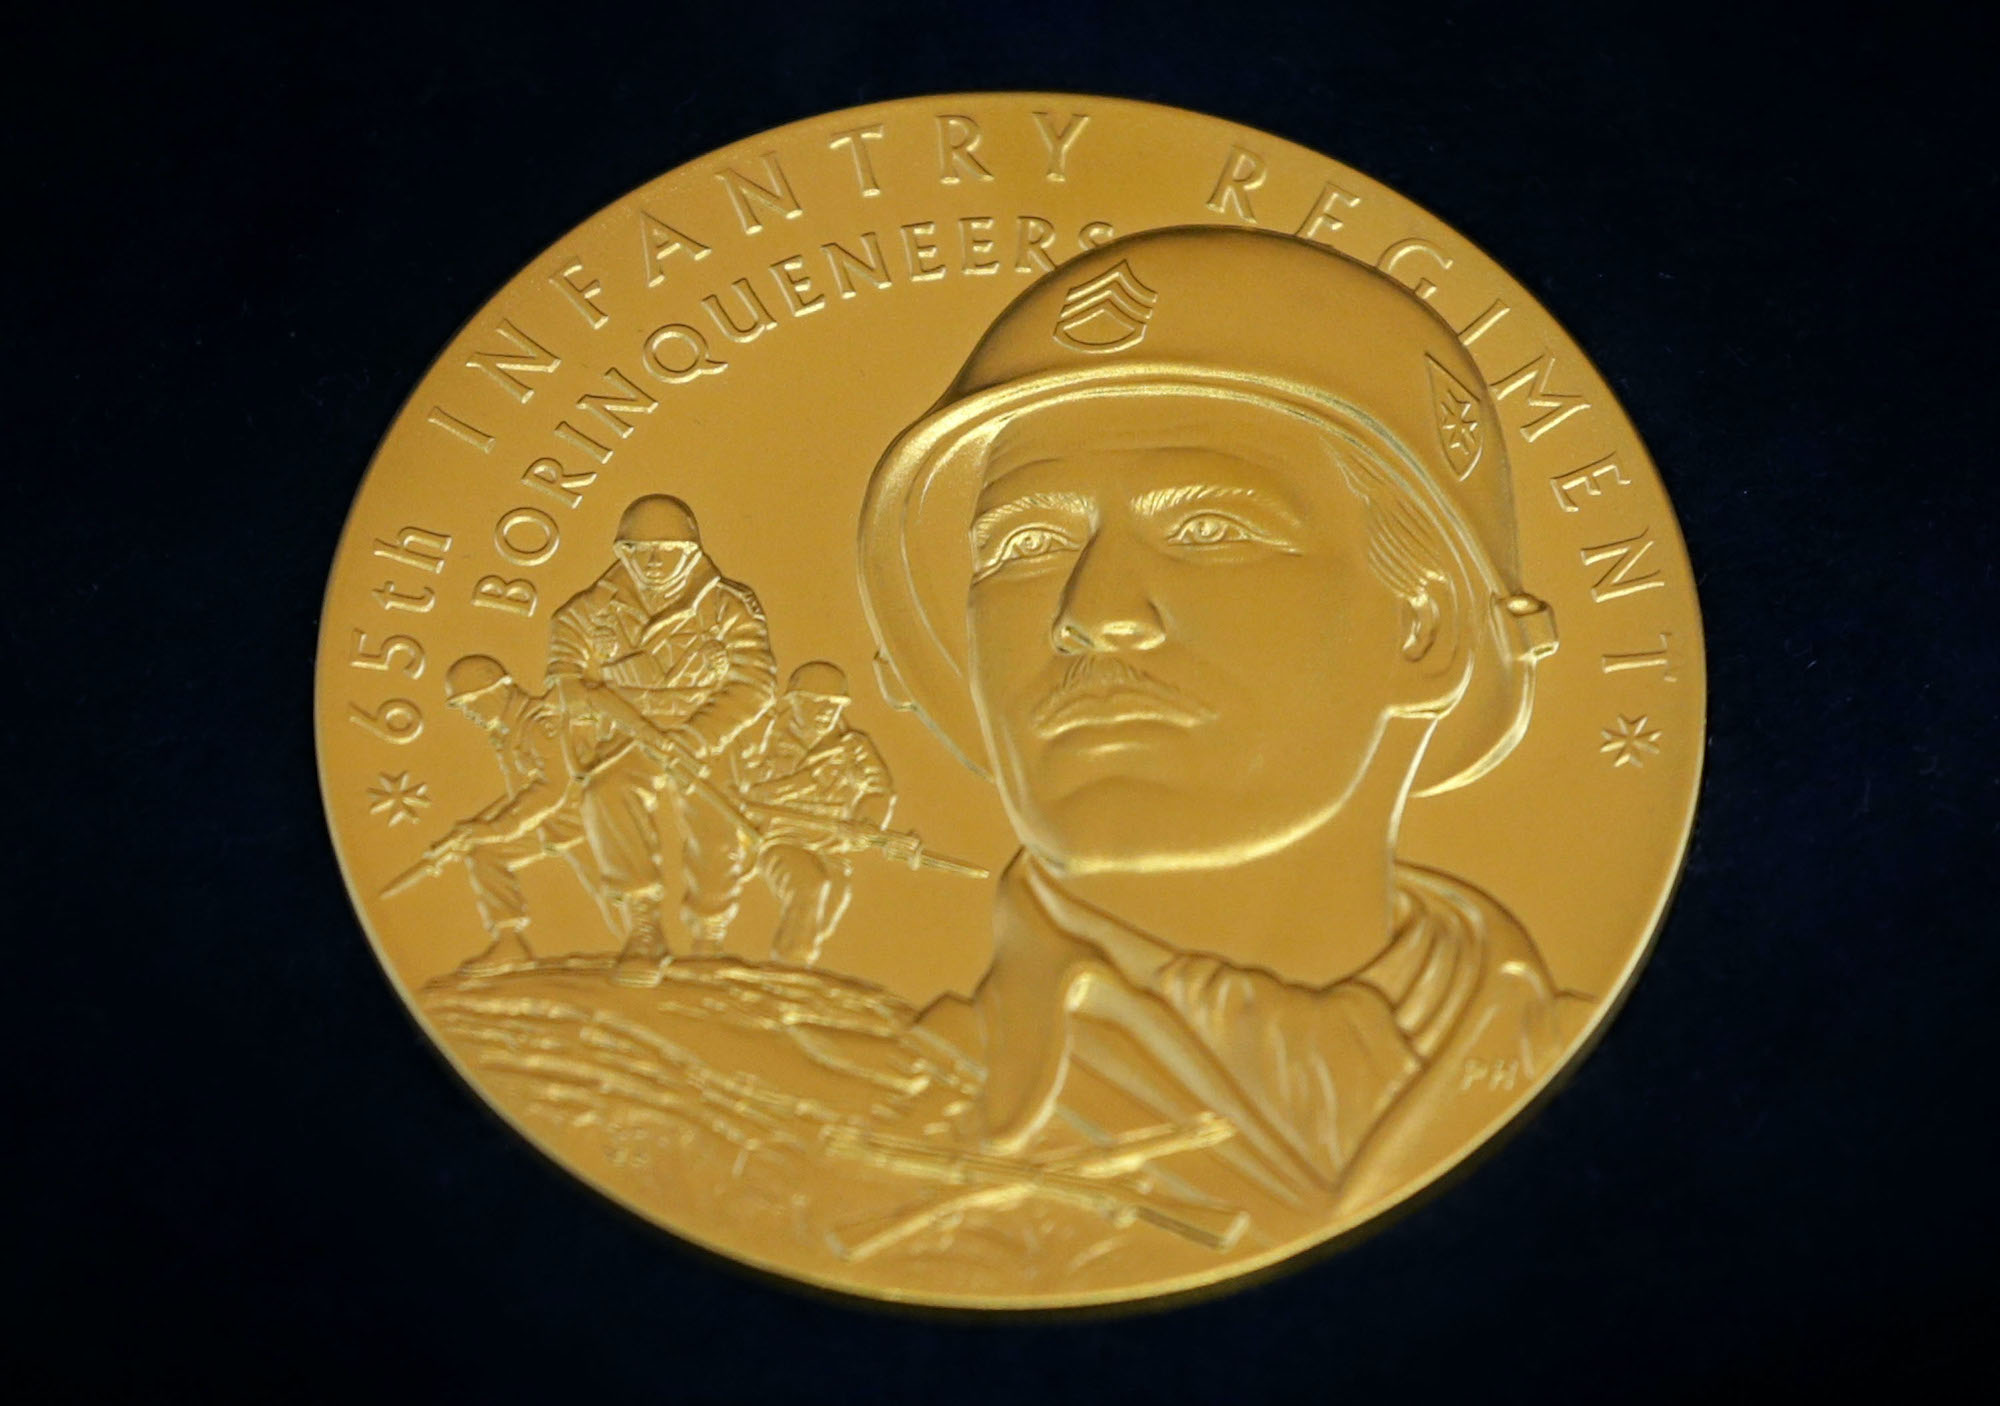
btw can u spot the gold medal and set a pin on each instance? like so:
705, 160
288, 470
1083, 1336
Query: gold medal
1011, 701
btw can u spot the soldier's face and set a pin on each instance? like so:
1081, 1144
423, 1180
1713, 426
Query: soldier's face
817, 712
659, 566
482, 708
1178, 652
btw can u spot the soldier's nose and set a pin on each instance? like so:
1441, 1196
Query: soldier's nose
1105, 605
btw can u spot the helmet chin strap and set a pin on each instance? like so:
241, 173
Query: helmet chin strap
1530, 625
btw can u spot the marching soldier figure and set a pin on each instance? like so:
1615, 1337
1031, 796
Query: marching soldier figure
660, 665
534, 820
806, 777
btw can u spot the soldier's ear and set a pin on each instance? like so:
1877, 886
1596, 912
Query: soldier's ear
1420, 617
1432, 648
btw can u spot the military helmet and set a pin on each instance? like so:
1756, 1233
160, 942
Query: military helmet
658, 517
475, 673
1245, 315
820, 678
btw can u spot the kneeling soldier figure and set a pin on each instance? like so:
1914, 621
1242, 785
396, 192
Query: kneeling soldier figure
806, 778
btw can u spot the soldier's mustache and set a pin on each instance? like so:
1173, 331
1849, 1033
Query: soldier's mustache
1094, 679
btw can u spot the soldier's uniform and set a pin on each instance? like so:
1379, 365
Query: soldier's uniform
837, 775
698, 663
536, 820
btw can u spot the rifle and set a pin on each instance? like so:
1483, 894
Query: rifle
856, 832
677, 765
863, 835
451, 847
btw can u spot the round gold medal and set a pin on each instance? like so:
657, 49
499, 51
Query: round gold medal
1011, 701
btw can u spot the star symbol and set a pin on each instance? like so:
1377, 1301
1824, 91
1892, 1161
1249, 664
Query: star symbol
398, 797
1630, 741
1458, 424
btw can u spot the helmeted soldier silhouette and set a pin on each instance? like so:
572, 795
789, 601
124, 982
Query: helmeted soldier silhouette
661, 664
806, 776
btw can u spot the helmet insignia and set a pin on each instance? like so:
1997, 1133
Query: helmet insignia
1107, 314
1461, 422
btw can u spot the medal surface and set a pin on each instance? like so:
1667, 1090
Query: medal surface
1011, 701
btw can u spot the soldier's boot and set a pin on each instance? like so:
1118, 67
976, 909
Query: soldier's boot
799, 952
800, 936
812, 903
645, 949
707, 931
509, 948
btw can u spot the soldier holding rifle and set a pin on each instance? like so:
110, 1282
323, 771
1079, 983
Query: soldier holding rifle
535, 819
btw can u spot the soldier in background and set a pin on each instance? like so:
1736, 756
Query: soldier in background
806, 777
534, 820
661, 664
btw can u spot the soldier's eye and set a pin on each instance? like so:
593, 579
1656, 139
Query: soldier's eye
1026, 543
1213, 530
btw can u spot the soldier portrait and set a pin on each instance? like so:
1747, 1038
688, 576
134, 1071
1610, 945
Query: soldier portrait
1207, 559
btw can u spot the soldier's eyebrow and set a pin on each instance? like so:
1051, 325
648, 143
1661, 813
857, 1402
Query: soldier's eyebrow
995, 519
1160, 500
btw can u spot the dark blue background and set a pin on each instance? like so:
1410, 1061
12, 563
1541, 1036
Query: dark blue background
244, 1170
